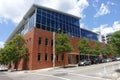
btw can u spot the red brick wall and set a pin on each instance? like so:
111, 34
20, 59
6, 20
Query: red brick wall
32, 62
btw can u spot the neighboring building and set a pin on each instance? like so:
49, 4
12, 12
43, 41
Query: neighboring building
38, 26
106, 37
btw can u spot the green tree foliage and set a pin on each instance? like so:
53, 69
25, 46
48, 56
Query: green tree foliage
63, 45
115, 42
14, 50
97, 48
84, 46
107, 50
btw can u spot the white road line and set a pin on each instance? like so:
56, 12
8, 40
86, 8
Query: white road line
52, 76
89, 76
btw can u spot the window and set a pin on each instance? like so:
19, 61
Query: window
46, 57
39, 56
51, 57
40, 41
51, 42
46, 41
37, 25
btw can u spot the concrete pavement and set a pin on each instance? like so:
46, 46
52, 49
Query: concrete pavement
105, 71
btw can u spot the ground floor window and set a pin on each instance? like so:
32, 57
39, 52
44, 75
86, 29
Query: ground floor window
46, 56
39, 56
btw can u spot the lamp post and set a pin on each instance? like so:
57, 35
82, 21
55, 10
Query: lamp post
53, 49
54, 46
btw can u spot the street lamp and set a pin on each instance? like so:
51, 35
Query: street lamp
53, 49
54, 46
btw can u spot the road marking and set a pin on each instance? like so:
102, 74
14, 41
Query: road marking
52, 76
88, 76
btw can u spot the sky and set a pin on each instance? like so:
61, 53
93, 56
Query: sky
96, 15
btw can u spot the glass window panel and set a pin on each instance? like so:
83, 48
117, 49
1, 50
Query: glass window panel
48, 15
46, 41
37, 25
48, 22
43, 13
39, 11
44, 20
46, 56
39, 56
52, 23
52, 29
38, 18
43, 27
40, 41
48, 28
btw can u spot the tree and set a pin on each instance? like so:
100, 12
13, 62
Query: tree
14, 50
84, 46
115, 42
3, 57
97, 48
63, 45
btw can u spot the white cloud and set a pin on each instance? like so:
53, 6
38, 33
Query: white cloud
104, 9
110, 3
12, 10
116, 26
82, 25
106, 29
79, 7
1, 44
15, 10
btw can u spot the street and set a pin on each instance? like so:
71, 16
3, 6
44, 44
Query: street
105, 71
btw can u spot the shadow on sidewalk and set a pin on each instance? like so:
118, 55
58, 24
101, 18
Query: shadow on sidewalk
117, 70
69, 66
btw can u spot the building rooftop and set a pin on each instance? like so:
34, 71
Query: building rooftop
29, 12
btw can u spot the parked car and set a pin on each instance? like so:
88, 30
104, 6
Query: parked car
106, 60
84, 62
117, 58
95, 61
3, 68
114, 59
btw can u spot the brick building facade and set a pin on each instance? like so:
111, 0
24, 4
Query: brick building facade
38, 26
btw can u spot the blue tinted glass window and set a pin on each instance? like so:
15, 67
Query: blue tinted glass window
52, 21
88, 34
43, 13
43, 27
38, 19
44, 20
48, 22
48, 28
39, 11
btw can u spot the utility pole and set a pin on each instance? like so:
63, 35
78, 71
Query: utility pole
53, 49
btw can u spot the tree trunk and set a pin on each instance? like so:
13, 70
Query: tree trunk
16, 65
64, 61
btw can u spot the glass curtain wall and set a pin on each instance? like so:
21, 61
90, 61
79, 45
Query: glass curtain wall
88, 34
28, 24
56, 22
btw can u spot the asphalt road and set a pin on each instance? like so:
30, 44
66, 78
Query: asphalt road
3, 76
105, 71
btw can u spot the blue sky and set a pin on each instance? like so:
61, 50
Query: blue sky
96, 15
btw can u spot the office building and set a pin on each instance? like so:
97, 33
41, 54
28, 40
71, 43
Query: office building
39, 26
